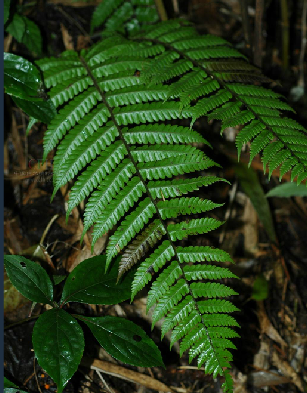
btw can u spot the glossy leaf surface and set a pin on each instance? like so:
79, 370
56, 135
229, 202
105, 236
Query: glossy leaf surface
29, 278
88, 283
21, 78
58, 343
125, 341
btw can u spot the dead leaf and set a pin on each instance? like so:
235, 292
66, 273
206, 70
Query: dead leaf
67, 39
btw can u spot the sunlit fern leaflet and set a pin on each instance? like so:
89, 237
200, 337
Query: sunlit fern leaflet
211, 78
114, 138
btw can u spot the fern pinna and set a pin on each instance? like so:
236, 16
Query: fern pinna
211, 78
113, 135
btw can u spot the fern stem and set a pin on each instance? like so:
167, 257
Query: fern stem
223, 84
121, 135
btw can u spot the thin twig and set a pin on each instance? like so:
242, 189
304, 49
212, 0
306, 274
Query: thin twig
39, 388
258, 33
103, 381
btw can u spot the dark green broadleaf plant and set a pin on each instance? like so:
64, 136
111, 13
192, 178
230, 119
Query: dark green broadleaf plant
22, 81
124, 341
57, 338
26, 32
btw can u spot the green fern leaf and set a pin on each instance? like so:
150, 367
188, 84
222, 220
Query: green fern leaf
158, 258
158, 133
106, 192
115, 140
137, 249
215, 65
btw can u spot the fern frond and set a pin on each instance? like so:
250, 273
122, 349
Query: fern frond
214, 65
115, 139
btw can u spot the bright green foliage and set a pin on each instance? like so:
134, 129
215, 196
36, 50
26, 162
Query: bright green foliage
207, 72
116, 137
23, 82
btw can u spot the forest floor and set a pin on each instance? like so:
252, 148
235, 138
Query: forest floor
271, 354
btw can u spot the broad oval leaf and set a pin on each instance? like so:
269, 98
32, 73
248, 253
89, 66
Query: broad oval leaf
26, 32
40, 110
58, 344
88, 283
125, 341
21, 78
30, 279
13, 390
